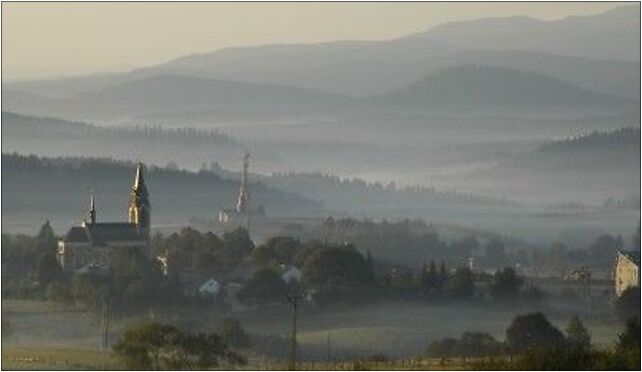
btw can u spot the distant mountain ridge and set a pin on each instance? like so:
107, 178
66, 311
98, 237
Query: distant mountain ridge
610, 35
599, 53
172, 94
485, 86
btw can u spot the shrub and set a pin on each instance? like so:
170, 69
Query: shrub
577, 335
532, 331
159, 346
59, 292
628, 304
233, 333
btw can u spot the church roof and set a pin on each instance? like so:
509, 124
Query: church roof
113, 232
77, 234
104, 232
633, 256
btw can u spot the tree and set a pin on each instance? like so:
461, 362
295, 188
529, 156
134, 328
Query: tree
495, 253
532, 331
233, 333
478, 344
445, 348
238, 242
630, 338
277, 250
628, 304
506, 285
265, 286
577, 335
49, 270
155, 346
460, 284
131, 262
604, 248
46, 241
337, 267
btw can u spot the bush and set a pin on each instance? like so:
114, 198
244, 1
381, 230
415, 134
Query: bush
159, 346
478, 344
630, 338
628, 304
444, 348
577, 335
506, 285
533, 331
470, 345
59, 292
563, 359
264, 287
233, 333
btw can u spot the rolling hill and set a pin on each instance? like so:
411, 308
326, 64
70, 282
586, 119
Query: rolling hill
611, 35
39, 188
172, 94
484, 87
599, 53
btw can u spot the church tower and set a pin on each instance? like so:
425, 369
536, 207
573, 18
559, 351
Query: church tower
139, 208
92, 211
242, 206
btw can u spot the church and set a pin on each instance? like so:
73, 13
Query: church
91, 244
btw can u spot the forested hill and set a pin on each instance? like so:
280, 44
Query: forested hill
25, 126
35, 189
52, 137
623, 138
618, 148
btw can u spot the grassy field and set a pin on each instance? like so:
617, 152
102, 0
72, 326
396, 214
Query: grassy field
37, 358
397, 330
34, 358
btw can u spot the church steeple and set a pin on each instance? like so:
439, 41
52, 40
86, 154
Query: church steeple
139, 207
244, 195
92, 210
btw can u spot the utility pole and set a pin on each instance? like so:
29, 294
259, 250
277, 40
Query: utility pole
327, 348
105, 320
294, 304
293, 300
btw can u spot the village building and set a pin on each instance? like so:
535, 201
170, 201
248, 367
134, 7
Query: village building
291, 274
241, 214
91, 245
627, 271
210, 288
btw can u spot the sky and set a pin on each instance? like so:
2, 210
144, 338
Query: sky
54, 39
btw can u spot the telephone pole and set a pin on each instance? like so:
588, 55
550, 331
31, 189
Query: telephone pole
293, 300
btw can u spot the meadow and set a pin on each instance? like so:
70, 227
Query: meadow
41, 334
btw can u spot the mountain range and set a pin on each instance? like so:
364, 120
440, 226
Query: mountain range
589, 59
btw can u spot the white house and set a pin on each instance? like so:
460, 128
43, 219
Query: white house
211, 287
290, 273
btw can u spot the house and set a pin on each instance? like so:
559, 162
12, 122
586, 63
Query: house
210, 288
290, 274
627, 271
93, 243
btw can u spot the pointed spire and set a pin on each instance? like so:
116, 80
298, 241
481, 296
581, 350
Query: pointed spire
139, 181
139, 207
242, 204
92, 209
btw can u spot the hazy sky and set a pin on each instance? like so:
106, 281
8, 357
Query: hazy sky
58, 39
